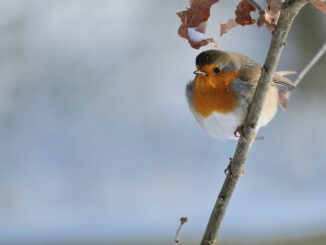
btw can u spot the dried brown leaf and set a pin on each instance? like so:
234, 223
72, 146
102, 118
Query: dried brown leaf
319, 4
270, 17
194, 21
225, 27
242, 13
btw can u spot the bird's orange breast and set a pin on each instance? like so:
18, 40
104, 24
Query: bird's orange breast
212, 93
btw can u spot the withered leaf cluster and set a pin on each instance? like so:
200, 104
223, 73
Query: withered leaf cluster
194, 19
194, 22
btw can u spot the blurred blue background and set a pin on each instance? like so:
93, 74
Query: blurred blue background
97, 142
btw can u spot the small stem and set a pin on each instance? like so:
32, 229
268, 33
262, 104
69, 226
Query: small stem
183, 220
310, 64
253, 2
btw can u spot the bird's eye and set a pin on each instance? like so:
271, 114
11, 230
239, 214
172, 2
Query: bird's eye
217, 69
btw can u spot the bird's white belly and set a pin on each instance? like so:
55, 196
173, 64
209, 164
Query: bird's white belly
221, 126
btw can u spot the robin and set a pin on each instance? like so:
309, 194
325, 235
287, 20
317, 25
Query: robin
223, 88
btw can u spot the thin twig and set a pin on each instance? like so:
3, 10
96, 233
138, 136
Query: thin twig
310, 64
255, 4
183, 220
290, 9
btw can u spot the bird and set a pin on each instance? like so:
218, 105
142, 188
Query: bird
223, 88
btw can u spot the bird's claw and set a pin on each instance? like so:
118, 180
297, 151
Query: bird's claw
228, 168
238, 133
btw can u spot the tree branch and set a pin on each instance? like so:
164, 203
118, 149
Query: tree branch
289, 11
310, 64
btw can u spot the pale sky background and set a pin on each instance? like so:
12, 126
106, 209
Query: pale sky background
97, 142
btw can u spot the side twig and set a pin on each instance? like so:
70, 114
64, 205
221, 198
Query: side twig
310, 64
183, 220
289, 11
255, 4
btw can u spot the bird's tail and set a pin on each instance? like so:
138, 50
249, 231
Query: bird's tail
285, 85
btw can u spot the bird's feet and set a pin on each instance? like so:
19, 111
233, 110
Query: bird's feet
228, 168
239, 133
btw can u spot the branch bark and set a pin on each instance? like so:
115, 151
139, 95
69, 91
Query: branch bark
289, 11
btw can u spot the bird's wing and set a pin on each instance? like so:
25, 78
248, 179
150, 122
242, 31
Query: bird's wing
251, 72
285, 86
246, 82
282, 82
248, 78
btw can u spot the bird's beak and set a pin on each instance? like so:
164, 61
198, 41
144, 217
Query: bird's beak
199, 72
